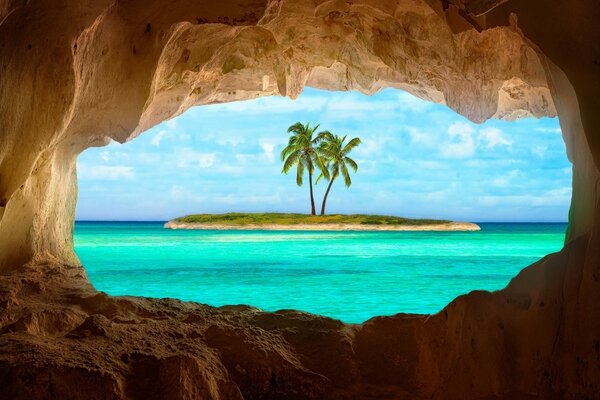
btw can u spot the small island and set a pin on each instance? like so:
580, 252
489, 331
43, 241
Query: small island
305, 222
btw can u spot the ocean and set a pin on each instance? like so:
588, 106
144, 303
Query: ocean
351, 276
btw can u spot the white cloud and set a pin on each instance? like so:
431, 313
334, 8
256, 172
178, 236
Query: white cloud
231, 169
230, 141
372, 146
493, 137
268, 149
148, 158
105, 172
412, 103
462, 144
550, 198
122, 155
189, 158
234, 199
244, 158
360, 106
438, 195
171, 124
170, 131
476, 164
504, 181
183, 136
419, 137
177, 192
540, 151
156, 139
464, 141
429, 164
560, 194
272, 104
115, 156
548, 130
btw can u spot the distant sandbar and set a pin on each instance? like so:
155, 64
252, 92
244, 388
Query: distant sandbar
302, 222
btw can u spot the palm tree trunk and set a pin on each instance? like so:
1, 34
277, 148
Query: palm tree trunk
326, 194
312, 198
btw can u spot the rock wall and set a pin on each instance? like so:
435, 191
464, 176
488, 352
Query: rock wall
76, 74
126, 66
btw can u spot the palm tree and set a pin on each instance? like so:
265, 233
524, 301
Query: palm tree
302, 151
335, 150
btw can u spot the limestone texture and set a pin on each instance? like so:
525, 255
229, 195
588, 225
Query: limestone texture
77, 74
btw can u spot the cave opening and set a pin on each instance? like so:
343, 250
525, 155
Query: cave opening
75, 77
417, 160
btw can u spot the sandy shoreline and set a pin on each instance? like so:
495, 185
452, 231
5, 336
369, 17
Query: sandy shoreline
451, 226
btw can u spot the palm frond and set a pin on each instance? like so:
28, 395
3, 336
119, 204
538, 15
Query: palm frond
297, 128
347, 179
291, 160
335, 173
299, 173
351, 145
319, 178
334, 169
312, 130
287, 150
321, 164
308, 163
323, 137
327, 153
302, 141
351, 163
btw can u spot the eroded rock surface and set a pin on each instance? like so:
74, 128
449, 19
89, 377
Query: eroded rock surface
111, 70
76, 74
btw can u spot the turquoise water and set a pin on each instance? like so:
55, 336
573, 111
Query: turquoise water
351, 276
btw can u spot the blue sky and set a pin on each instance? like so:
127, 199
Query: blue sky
417, 159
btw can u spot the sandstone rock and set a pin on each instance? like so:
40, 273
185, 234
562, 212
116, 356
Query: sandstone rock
76, 74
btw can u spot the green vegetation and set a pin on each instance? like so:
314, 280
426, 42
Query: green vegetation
302, 152
335, 150
294, 219
324, 151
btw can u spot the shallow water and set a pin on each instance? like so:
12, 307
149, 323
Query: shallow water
351, 276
